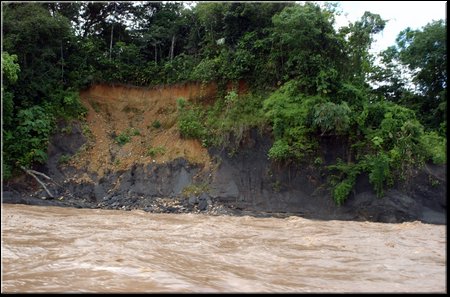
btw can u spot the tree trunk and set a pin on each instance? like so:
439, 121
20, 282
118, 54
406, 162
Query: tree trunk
111, 42
349, 151
62, 62
156, 60
172, 47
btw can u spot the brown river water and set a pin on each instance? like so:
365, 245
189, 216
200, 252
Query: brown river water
53, 249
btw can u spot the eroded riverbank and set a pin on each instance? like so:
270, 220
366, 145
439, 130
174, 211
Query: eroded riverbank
158, 171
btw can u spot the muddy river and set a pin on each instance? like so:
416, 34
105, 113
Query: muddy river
52, 249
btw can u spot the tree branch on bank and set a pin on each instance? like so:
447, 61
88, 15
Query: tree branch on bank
33, 174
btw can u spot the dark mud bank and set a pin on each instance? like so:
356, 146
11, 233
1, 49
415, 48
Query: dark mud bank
249, 181
238, 182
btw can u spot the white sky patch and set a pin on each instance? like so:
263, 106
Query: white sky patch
399, 14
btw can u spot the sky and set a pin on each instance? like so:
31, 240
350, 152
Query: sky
400, 15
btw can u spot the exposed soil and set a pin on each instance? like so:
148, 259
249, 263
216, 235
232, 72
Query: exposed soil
183, 176
148, 117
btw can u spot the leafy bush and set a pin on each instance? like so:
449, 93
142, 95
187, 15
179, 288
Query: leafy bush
190, 120
180, 69
123, 138
342, 191
393, 144
33, 129
379, 171
343, 178
64, 159
229, 119
153, 151
195, 189
373, 114
398, 123
279, 151
231, 98
72, 106
156, 124
10, 67
290, 114
207, 70
133, 132
434, 147
330, 117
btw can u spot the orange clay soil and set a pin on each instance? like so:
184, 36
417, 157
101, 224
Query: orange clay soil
119, 109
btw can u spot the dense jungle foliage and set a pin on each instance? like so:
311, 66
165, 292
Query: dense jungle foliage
308, 79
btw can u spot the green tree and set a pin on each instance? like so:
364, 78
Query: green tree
308, 48
37, 38
360, 37
10, 72
424, 52
414, 73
